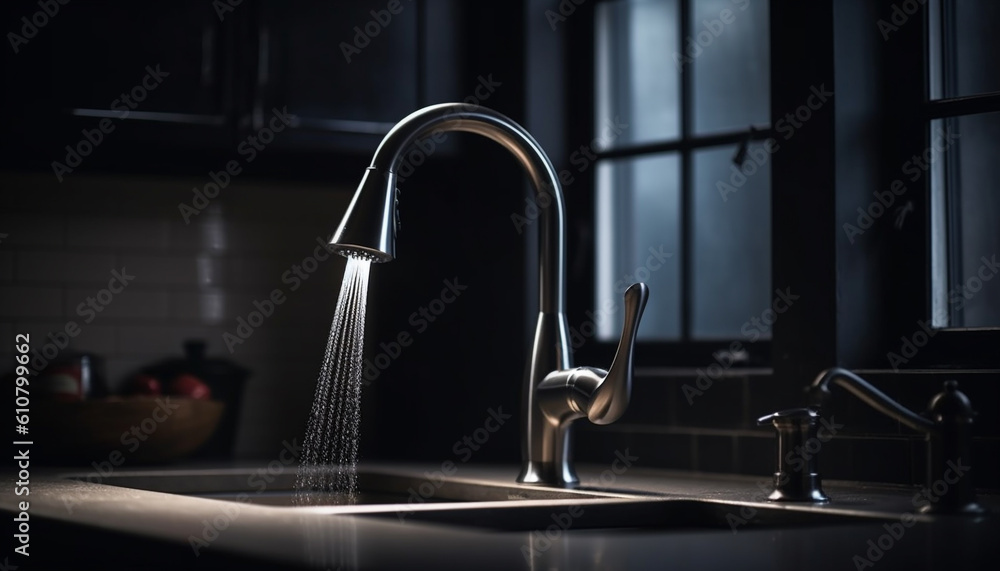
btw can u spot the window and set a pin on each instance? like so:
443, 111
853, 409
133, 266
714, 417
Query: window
682, 197
963, 123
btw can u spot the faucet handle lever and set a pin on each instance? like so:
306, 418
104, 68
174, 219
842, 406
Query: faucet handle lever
602, 396
611, 397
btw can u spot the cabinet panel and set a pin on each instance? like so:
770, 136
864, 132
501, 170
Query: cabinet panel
341, 60
110, 53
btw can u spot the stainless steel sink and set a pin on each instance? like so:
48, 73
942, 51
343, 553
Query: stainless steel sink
376, 488
649, 513
414, 496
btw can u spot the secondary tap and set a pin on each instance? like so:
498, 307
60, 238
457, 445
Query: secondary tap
947, 424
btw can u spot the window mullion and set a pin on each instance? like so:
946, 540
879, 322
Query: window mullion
686, 192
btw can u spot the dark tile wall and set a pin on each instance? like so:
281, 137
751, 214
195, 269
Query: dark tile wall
717, 432
192, 280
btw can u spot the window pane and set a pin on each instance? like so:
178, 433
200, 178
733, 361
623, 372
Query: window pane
728, 54
969, 178
964, 32
637, 80
731, 253
638, 239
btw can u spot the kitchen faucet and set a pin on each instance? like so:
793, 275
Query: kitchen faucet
554, 393
947, 424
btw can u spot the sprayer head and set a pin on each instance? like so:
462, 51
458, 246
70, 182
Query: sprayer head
368, 229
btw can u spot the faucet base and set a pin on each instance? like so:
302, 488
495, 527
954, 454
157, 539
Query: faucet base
805, 488
548, 474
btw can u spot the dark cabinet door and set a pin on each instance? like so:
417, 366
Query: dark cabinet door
349, 70
181, 85
107, 51
147, 75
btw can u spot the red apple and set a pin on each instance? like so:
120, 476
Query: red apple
190, 386
143, 385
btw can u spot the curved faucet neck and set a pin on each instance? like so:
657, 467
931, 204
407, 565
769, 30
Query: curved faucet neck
497, 127
871, 396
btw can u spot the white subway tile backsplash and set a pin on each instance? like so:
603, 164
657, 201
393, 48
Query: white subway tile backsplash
125, 196
30, 301
208, 307
7, 331
275, 340
153, 270
97, 339
192, 281
165, 339
34, 230
185, 238
38, 328
89, 338
257, 275
6, 266
64, 267
119, 233
130, 303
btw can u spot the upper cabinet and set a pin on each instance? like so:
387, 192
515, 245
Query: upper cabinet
170, 62
205, 76
339, 68
154, 74
348, 71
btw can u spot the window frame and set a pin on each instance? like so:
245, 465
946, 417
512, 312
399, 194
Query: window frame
877, 293
911, 120
685, 352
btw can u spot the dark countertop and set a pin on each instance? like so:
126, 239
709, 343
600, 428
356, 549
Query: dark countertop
86, 525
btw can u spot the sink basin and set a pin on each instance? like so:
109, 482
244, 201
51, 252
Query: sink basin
649, 513
414, 496
375, 488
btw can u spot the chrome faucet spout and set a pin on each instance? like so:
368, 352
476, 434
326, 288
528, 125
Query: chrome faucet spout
369, 229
